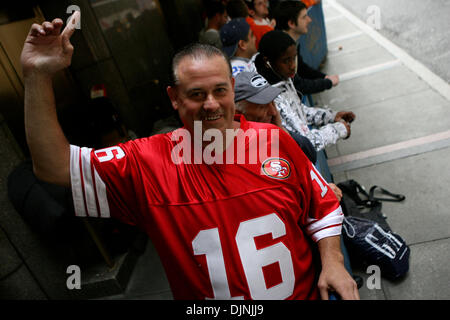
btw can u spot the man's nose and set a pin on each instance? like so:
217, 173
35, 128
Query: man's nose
293, 65
211, 103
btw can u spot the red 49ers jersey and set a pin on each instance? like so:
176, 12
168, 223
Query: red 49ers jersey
223, 231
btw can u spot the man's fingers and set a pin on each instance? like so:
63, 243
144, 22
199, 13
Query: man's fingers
350, 116
356, 292
57, 21
350, 291
69, 30
36, 30
71, 25
48, 27
57, 25
323, 293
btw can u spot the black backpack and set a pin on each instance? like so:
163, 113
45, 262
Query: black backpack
367, 235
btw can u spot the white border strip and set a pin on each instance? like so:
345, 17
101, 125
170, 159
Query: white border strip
75, 181
345, 37
422, 71
333, 18
389, 148
369, 70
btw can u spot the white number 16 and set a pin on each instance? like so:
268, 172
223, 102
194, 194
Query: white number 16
207, 242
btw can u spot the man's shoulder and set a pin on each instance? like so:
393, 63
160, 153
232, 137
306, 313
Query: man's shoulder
239, 60
239, 64
149, 145
261, 125
211, 33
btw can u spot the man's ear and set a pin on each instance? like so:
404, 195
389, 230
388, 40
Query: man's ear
242, 45
173, 96
251, 12
292, 24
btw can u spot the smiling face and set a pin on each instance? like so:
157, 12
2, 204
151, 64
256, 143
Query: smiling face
204, 92
286, 64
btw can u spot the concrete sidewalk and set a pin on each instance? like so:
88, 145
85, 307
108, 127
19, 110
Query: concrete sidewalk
400, 141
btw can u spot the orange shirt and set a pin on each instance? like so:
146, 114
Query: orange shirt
309, 3
258, 30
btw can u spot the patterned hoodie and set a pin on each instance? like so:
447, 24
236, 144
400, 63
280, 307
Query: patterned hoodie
296, 116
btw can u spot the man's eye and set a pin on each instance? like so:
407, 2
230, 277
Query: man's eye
196, 95
221, 90
289, 60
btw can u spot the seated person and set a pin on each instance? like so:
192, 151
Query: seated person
276, 62
239, 9
217, 17
259, 11
254, 98
292, 18
239, 44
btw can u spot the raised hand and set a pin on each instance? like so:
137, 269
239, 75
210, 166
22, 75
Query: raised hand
47, 50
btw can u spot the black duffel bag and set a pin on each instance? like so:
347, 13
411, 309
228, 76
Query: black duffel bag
367, 235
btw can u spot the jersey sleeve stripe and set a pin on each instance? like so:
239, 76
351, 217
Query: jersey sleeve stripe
101, 196
89, 191
333, 219
327, 232
94, 185
76, 182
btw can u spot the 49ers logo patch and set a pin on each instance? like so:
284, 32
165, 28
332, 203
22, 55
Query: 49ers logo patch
276, 168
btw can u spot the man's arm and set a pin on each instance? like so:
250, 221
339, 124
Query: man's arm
46, 51
310, 86
305, 71
48, 146
334, 276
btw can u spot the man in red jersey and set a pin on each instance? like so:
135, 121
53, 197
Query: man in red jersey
223, 231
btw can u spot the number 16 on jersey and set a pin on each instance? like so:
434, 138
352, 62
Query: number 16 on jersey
207, 242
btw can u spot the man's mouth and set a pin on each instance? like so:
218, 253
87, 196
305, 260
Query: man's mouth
212, 117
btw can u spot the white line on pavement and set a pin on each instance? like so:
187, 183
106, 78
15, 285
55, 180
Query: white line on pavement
369, 70
426, 74
389, 148
333, 18
344, 37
